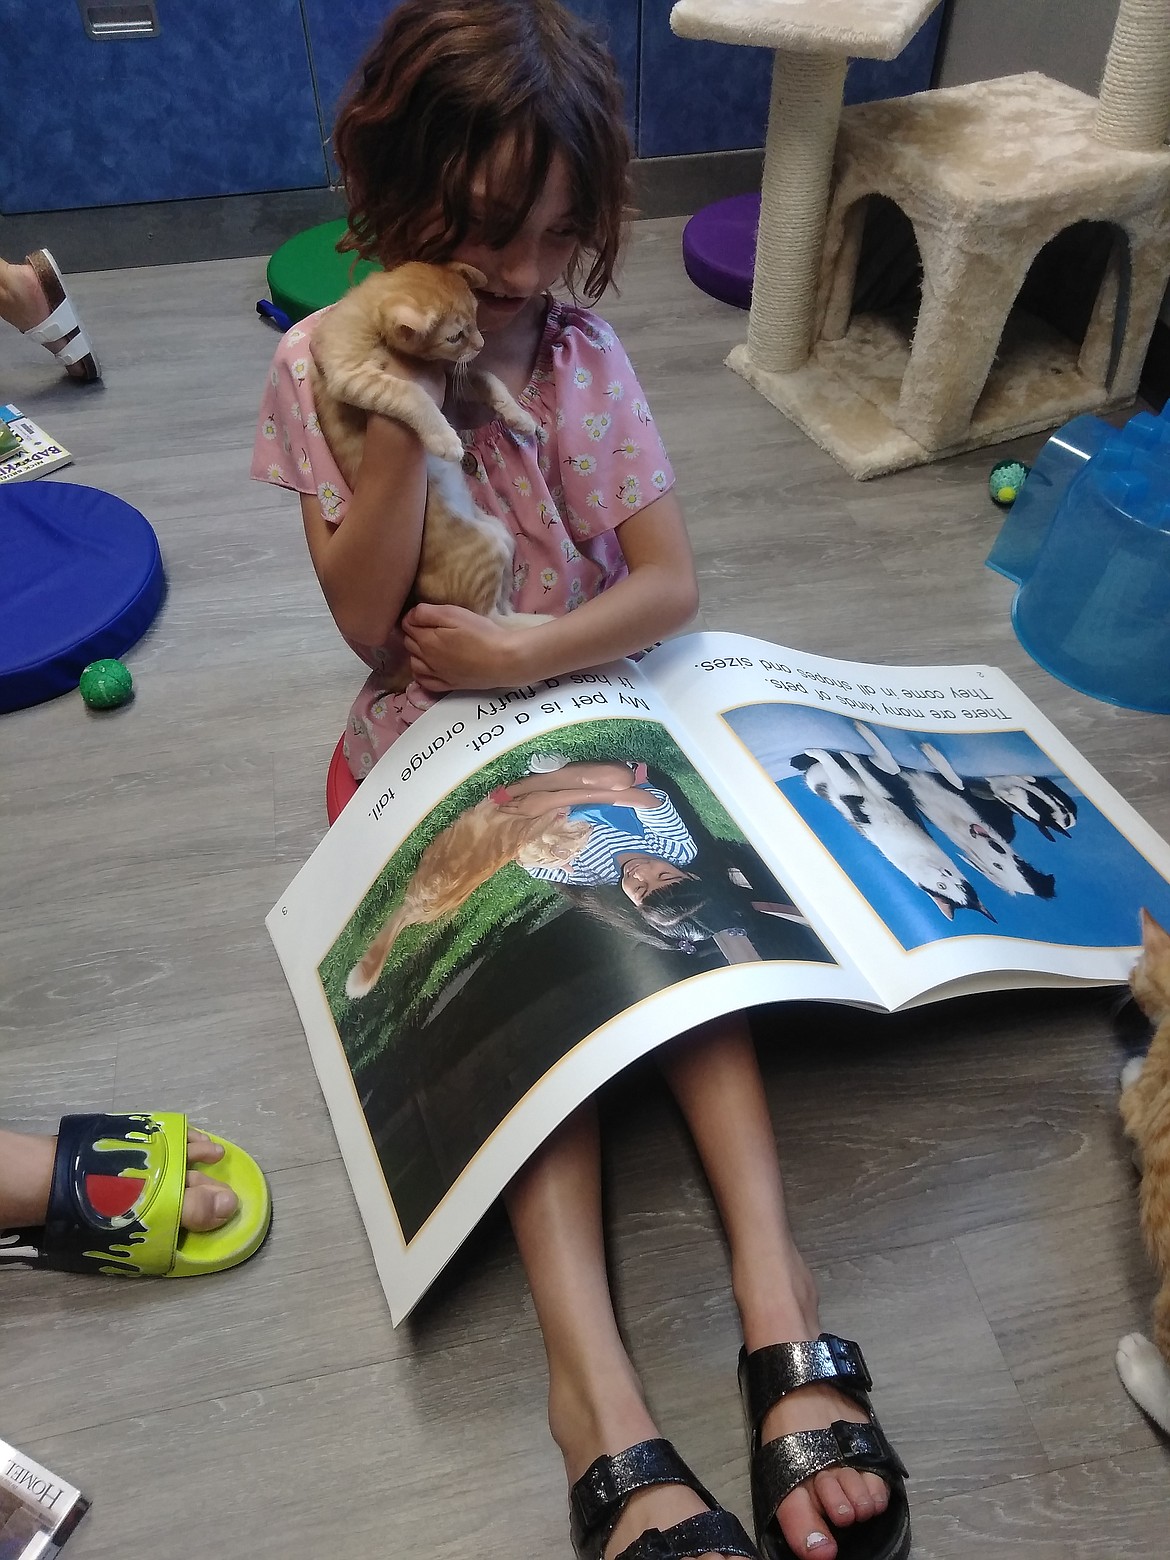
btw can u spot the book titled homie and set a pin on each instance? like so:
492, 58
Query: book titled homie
38, 1510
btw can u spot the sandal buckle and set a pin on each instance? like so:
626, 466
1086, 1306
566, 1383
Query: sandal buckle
848, 1359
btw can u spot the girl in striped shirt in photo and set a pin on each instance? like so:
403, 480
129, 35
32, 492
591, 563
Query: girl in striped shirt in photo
637, 838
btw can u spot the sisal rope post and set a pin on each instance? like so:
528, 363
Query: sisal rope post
1133, 106
798, 165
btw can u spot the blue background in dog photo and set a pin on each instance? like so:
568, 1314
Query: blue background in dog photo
1101, 879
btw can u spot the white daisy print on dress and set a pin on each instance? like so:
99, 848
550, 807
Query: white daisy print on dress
548, 578
659, 480
268, 427
560, 418
330, 500
582, 377
304, 464
276, 474
300, 370
630, 493
586, 465
519, 577
294, 411
615, 389
596, 499
522, 486
313, 425
294, 336
596, 424
570, 552
629, 449
641, 411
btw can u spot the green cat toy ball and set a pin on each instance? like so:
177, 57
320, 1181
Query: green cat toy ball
104, 685
1005, 482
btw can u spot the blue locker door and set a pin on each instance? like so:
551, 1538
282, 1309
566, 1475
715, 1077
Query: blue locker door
340, 31
713, 97
219, 102
618, 22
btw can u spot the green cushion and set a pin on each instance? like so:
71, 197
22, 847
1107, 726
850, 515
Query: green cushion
307, 273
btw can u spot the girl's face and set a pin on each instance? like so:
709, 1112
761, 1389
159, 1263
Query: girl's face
532, 262
643, 875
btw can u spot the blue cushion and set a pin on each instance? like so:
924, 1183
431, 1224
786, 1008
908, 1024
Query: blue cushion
81, 577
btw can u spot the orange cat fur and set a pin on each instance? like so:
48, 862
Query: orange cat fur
422, 312
457, 861
1145, 1111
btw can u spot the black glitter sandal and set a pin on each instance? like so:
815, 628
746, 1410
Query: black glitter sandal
777, 1467
599, 1496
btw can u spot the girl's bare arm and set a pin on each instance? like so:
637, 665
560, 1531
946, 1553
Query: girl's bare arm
451, 648
366, 565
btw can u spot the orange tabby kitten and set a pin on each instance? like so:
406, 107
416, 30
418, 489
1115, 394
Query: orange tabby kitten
1144, 1367
423, 312
457, 861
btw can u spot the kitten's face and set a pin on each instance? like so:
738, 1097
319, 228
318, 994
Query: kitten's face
1150, 979
428, 311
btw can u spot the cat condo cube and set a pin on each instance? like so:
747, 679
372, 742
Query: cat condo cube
986, 176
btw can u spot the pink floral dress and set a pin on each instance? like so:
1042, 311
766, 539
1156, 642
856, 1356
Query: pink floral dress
596, 459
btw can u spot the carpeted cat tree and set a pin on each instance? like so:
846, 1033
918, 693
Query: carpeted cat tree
987, 175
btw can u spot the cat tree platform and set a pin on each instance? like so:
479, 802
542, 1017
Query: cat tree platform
987, 174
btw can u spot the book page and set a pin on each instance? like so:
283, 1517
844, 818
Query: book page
930, 818
529, 891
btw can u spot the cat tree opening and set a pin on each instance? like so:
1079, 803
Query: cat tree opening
1060, 344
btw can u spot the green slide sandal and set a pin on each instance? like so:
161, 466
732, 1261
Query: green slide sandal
117, 1192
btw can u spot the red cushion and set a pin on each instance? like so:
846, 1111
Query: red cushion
340, 785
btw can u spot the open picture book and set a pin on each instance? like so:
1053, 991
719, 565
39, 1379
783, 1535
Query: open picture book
535, 887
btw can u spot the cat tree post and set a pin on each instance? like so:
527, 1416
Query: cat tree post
813, 41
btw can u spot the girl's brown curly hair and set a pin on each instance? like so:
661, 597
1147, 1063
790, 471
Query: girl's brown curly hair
460, 92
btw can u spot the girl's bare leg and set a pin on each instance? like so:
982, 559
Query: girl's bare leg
715, 1078
595, 1399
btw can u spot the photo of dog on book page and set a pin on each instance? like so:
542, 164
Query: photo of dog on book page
954, 834
560, 885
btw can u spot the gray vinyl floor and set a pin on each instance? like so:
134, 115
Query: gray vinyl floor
956, 1177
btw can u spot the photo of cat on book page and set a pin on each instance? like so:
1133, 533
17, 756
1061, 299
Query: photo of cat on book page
954, 834
560, 885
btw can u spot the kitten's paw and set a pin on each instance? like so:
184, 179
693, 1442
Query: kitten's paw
520, 422
1145, 1376
445, 446
1132, 1071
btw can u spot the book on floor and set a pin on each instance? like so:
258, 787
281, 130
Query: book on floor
534, 887
37, 452
38, 1509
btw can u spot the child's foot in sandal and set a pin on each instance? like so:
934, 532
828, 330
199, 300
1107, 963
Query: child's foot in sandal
641, 1487
34, 298
825, 1481
118, 1194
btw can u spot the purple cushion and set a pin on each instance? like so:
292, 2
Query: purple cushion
719, 248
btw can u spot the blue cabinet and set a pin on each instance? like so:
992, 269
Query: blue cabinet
233, 99
219, 102
340, 32
708, 97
